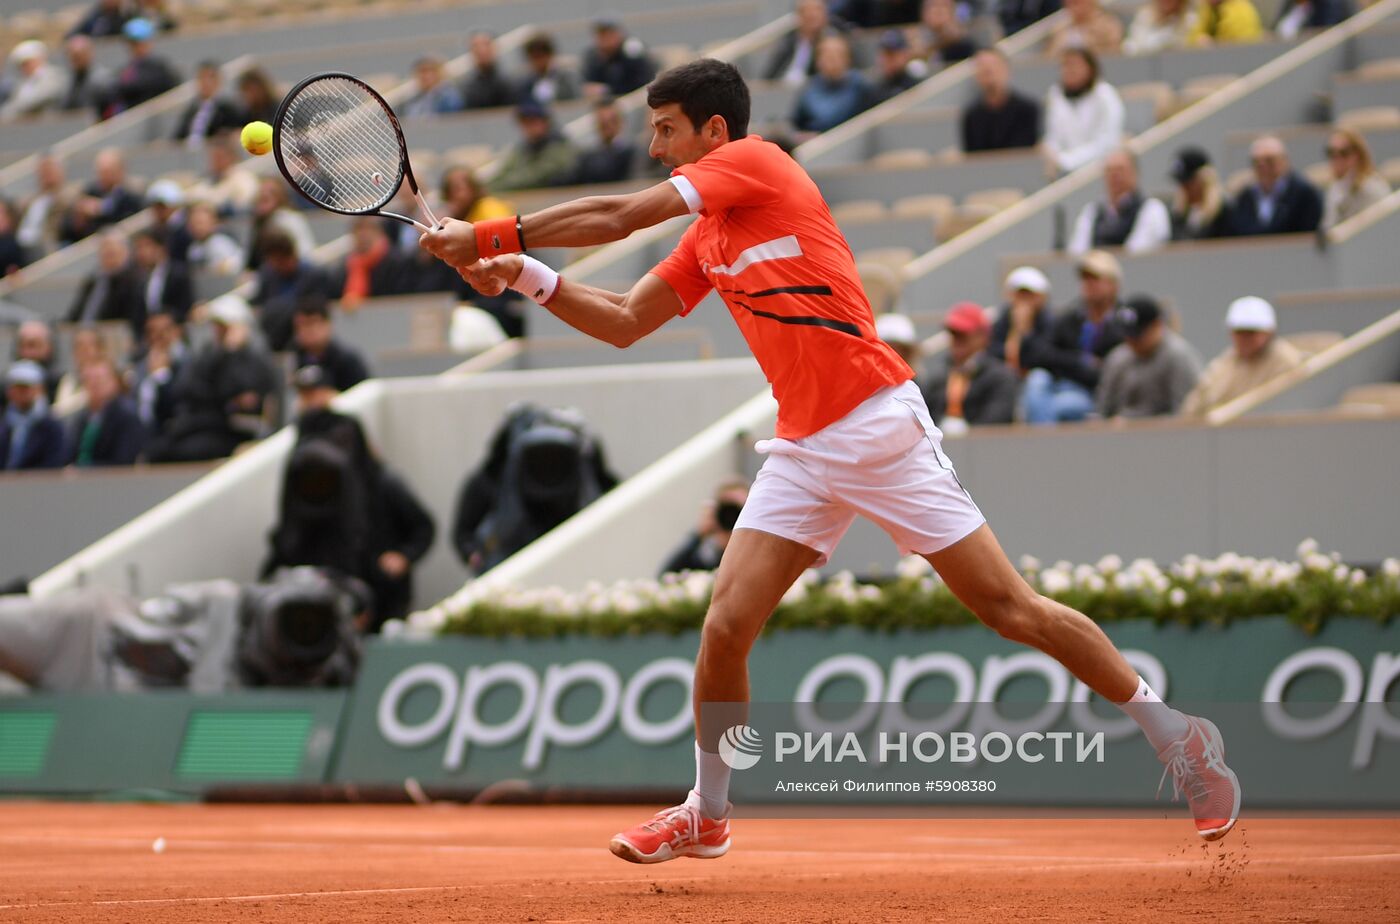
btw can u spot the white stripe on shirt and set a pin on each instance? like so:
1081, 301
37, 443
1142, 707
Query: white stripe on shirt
781, 248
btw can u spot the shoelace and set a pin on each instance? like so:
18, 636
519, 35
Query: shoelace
1185, 777
667, 817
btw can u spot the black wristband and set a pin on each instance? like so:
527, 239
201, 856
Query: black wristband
520, 234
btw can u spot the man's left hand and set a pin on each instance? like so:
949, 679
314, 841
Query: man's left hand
453, 242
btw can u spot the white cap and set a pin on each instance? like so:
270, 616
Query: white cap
30, 50
231, 310
1028, 278
895, 328
1251, 313
166, 192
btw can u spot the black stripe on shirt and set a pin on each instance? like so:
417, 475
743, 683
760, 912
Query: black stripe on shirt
804, 320
791, 290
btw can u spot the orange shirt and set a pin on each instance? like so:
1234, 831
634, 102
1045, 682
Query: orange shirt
766, 241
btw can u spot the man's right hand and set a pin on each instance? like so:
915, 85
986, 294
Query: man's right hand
453, 242
494, 276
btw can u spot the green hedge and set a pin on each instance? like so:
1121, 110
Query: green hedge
1192, 592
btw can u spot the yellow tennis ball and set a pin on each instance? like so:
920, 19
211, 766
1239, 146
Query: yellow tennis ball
257, 138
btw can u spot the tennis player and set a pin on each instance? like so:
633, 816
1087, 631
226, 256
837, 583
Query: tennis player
853, 433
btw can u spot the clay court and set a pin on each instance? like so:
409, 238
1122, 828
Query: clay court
78, 863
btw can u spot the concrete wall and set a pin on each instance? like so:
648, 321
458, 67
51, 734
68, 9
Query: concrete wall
49, 516
433, 432
1257, 487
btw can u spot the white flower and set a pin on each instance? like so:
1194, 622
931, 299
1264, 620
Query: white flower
913, 566
1358, 577
1095, 584
1341, 573
1030, 563
1110, 564
1391, 567
795, 594
1055, 581
1127, 581
870, 592
1082, 574
1307, 547
1177, 597
1316, 562
1144, 568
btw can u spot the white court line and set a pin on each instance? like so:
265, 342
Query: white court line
642, 876
1050, 860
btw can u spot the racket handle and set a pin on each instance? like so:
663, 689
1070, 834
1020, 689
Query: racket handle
410, 221
423, 204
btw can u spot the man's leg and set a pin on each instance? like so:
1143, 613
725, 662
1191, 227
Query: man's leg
1038, 397
979, 573
757, 569
1072, 401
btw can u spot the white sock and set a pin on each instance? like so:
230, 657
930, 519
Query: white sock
711, 783
1162, 724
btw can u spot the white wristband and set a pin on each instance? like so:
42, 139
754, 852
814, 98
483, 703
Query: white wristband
536, 281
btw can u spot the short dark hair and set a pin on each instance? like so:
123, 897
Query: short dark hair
539, 43
277, 243
156, 236
313, 306
705, 88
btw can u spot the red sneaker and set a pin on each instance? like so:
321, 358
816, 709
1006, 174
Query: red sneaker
680, 831
1197, 765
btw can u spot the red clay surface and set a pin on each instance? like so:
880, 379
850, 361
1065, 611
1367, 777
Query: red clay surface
79, 863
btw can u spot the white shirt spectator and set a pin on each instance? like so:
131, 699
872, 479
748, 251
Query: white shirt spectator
40, 84
1154, 31
1151, 229
1081, 130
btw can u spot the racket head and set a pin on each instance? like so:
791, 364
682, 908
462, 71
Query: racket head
338, 142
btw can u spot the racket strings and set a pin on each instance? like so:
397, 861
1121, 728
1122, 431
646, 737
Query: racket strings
341, 146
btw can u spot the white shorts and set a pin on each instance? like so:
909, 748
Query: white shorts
881, 461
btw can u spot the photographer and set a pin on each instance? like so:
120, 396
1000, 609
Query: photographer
703, 548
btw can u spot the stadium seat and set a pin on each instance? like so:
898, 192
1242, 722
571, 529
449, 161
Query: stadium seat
859, 210
892, 257
881, 283
1197, 89
966, 217
1386, 67
1370, 118
903, 157
1312, 342
934, 206
997, 199
1381, 398
1159, 92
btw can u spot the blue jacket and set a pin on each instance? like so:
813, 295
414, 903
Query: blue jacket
1298, 210
824, 105
46, 447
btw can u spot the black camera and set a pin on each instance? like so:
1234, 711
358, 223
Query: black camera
727, 514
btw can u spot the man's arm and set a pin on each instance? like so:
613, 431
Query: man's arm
619, 319
583, 222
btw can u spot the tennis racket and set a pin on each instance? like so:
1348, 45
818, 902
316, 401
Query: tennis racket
338, 142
